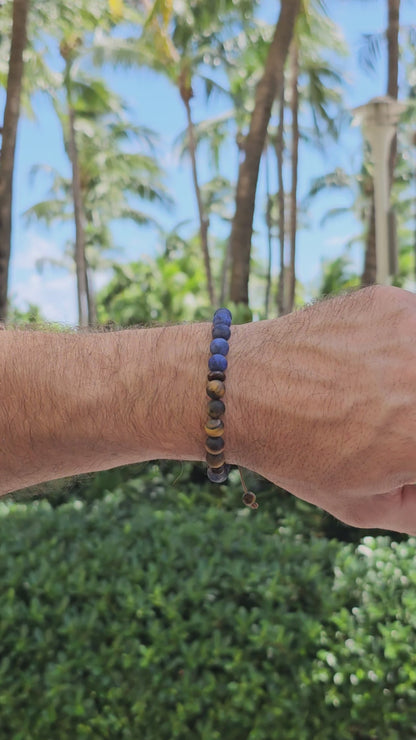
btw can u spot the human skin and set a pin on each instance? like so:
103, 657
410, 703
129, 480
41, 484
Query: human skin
321, 402
332, 398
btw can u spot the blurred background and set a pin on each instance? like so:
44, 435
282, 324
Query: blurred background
160, 158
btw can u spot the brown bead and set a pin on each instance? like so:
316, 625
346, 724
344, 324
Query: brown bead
216, 409
216, 375
215, 461
249, 499
215, 389
214, 445
214, 428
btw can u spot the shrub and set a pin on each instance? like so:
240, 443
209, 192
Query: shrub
368, 659
158, 620
122, 622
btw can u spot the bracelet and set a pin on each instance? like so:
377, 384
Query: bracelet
217, 364
218, 469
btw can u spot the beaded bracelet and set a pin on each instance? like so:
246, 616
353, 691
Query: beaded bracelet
218, 469
214, 444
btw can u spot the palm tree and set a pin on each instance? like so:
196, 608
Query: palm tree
294, 109
279, 149
86, 313
110, 180
70, 47
33, 22
186, 93
180, 45
8, 131
311, 85
267, 91
242, 59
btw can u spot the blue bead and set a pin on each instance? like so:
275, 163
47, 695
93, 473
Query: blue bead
222, 331
217, 362
219, 347
222, 316
218, 475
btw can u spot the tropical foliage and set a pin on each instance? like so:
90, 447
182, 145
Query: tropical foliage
283, 92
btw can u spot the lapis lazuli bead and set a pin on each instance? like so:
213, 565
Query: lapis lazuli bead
217, 362
222, 331
222, 316
219, 346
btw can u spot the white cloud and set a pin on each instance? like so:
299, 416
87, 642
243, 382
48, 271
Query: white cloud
53, 289
36, 247
55, 296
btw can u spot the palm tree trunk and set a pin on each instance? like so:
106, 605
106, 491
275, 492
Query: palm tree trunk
393, 69
186, 94
7, 156
266, 92
393, 91
92, 307
226, 264
269, 234
294, 107
80, 260
280, 144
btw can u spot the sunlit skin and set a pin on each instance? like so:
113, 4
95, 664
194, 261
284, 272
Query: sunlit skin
322, 402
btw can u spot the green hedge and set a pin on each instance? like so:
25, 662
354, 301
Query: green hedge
132, 619
368, 659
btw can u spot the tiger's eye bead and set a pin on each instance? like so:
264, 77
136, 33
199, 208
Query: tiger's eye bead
217, 362
215, 461
218, 475
219, 346
214, 445
216, 409
216, 375
222, 316
215, 389
222, 331
214, 428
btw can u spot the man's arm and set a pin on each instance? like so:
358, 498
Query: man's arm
72, 403
322, 402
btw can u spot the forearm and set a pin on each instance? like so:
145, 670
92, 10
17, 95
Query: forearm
75, 403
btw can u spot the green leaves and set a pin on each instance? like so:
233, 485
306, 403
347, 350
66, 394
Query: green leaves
160, 627
155, 290
133, 613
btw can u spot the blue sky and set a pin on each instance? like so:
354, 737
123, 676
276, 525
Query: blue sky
156, 105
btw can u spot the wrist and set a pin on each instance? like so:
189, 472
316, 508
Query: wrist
261, 399
167, 401
166, 380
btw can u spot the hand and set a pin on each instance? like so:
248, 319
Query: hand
323, 403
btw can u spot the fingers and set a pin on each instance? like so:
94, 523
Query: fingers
395, 510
